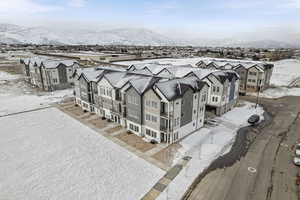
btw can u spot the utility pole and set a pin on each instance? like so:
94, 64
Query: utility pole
258, 90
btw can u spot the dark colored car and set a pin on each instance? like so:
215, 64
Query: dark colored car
253, 119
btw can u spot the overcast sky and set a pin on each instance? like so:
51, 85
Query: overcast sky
195, 18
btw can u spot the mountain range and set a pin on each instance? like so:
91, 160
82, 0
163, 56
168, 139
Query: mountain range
15, 34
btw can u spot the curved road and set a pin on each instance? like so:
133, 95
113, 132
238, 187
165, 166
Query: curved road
265, 170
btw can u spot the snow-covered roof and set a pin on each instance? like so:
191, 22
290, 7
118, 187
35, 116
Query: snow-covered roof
232, 64
48, 62
143, 83
91, 74
176, 88
201, 74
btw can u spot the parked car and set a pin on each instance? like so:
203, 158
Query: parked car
297, 151
253, 119
297, 160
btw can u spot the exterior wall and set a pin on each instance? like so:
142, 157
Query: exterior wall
84, 89
242, 72
215, 91
255, 79
50, 79
152, 108
134, 109
186, 108
109, 106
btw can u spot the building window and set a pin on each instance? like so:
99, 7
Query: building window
133, 100
203, 97
154, 104
55, 80
148, 103
133, 128
151, 133
148, 117
151, 118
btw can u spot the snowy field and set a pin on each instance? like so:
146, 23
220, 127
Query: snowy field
16, 96
285, 72
279, 92
207, 145
4, 76
46, 157
174, 61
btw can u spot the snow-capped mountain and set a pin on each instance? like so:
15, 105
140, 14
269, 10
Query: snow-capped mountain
12, 34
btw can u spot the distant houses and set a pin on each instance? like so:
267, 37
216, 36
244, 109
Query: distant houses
162, 103
49, 74
254, 76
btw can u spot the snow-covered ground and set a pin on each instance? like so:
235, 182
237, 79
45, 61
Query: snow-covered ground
4, 76
206, 145
46, 154
174, 61
285, 71
279, 92
17, 96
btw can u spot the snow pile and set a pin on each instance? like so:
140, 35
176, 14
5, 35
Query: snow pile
240, 115
285, 72
48, 155
4, 76
206, 145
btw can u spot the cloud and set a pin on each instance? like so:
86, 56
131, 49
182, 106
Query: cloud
77, 3
160, 8
25, 6
293, 3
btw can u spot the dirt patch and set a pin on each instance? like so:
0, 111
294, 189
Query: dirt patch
168, 154
99, 123
75, 110
11, 67
114, 129
135, 141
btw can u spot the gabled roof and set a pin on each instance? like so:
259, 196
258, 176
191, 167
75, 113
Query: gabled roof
90, 74
142, 84
176, 88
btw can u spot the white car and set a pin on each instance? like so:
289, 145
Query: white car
297, 149
297, 160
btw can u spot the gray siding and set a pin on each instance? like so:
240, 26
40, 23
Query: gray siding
62, 74
134, 111
84, 89
232, 89
186, 108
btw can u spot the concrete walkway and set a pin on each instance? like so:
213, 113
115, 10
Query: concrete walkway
163, 183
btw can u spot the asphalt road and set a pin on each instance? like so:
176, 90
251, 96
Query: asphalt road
259, 166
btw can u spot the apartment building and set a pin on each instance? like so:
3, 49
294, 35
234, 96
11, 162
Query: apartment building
254, 76
223, 90
48, 73
150, 106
